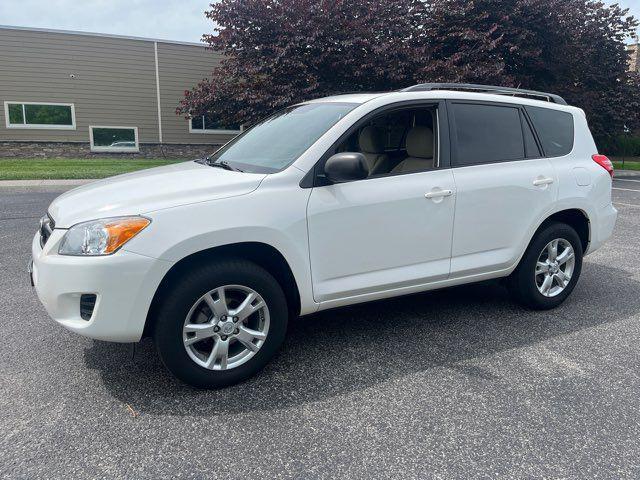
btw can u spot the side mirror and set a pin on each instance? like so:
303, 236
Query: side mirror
346, 166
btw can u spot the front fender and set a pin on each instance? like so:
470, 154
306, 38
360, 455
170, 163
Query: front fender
275, 218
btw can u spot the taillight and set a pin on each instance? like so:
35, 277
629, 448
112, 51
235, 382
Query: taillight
604, 162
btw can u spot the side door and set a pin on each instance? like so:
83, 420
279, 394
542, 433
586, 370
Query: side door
504, 185
383, 233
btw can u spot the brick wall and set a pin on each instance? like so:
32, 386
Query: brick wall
81, 150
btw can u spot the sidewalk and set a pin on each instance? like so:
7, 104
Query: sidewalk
626, 173
44, 183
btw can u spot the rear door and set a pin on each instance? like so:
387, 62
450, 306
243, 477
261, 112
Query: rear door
503, 183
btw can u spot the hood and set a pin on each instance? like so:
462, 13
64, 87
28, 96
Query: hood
148, 190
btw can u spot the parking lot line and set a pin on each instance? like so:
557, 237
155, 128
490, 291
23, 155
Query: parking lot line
625, 189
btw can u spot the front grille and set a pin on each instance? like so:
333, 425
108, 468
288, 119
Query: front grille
87, 304
46, 227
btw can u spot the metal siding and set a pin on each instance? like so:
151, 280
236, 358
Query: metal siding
114, 81
181, 67
114, 84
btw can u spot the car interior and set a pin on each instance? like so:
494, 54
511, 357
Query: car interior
395, 142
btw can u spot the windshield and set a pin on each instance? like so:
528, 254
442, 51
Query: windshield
274, 143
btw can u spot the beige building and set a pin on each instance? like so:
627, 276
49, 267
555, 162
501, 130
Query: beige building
634, 63
83, 94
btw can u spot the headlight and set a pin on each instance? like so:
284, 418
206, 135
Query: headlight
101, 237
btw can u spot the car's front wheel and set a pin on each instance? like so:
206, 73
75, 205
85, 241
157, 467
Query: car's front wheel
549, 269
220, 323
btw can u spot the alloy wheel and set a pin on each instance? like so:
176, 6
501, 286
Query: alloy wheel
226, 327
555, 267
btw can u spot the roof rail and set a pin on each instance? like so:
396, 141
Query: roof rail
472, 87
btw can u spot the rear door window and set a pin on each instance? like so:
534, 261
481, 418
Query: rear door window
487, 133
555, 130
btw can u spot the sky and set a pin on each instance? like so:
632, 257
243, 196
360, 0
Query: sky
181, 20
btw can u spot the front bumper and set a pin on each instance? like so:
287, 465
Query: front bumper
124, 284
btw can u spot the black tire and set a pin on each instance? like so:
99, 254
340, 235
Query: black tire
179, 299
522, 282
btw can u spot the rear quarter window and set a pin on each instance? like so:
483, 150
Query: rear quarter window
555, 130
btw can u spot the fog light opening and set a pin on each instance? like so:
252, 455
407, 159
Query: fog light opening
87, 304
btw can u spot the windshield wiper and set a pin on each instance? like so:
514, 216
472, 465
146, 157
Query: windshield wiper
221, 164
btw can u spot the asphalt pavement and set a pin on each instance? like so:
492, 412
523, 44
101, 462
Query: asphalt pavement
458, 383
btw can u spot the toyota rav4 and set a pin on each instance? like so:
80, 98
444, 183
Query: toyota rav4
328, 203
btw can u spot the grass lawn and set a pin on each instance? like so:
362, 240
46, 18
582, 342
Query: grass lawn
633, 164
66, 168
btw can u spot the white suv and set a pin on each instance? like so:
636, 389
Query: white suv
328, 203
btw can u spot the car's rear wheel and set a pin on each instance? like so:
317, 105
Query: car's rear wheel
221, 323
549, 269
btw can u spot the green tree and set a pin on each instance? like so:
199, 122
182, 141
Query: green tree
283, 51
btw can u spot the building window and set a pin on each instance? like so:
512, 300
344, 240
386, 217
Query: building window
114, 139
208, 124
40, 115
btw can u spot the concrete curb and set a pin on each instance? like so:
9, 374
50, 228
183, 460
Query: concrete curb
45, 183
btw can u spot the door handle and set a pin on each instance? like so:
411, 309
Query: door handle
438, 193
538, 182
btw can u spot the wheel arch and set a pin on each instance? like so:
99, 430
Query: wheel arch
263, 254
576, 218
